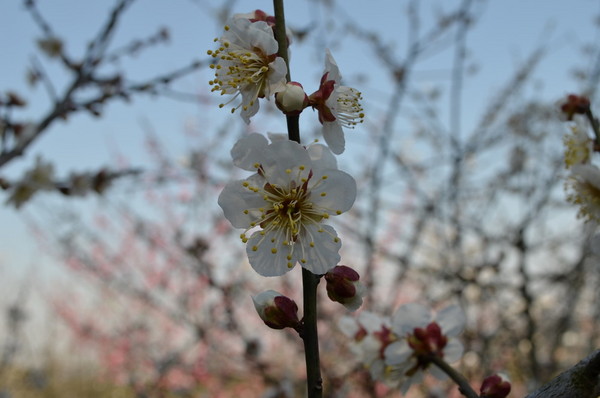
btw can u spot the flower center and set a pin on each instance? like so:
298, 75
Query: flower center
426, 342
348, 110
286, 213
577, 149
587, 196
239, 69
289, 209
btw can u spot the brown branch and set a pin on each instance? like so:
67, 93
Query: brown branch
580, 381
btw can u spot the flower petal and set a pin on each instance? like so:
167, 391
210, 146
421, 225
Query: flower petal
251, 35
356, 301
417, 378
331, 67
276, 77
336, 193
252, 106
282, 156
369, 349
588, 172
453, 350
249, 151
377, 370
235, 198
348, 326
410, 316
263, 299
267, 253
277, 136
320, 248
322, 157
397, 352
452, 320
334, 136
372, 322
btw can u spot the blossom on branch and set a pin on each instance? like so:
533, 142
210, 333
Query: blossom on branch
575, 104
583, 187
247, 65
338, 106
276, 310
257, 15
260, 15
284, 205
422, 337
371, 334
578, 147
495, 386
344, 287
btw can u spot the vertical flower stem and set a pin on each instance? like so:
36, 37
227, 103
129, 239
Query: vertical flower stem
280, 34
595, 125
314, 383
310, 281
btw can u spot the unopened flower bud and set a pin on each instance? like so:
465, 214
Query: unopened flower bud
575, 104
276, 311
495, 386
292, 99
344, 287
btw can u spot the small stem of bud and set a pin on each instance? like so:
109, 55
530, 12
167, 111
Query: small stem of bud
280, 34
463, 385
310, 336
595, 125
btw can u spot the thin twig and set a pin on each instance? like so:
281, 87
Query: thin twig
463, 385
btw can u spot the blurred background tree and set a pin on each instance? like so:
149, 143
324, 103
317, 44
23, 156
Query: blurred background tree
461, 199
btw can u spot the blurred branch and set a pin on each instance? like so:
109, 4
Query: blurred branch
579, 381
88, 90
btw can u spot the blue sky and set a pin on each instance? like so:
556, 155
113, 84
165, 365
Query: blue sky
506, 33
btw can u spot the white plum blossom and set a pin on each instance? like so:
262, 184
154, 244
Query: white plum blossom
370, 334
284, 205
578, 147
247, 65
338, 106
583, 187
422, 335
260, 15
256, 15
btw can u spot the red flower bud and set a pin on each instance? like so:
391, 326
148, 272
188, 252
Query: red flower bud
575, 104
276, 310
344, 287
495, 386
